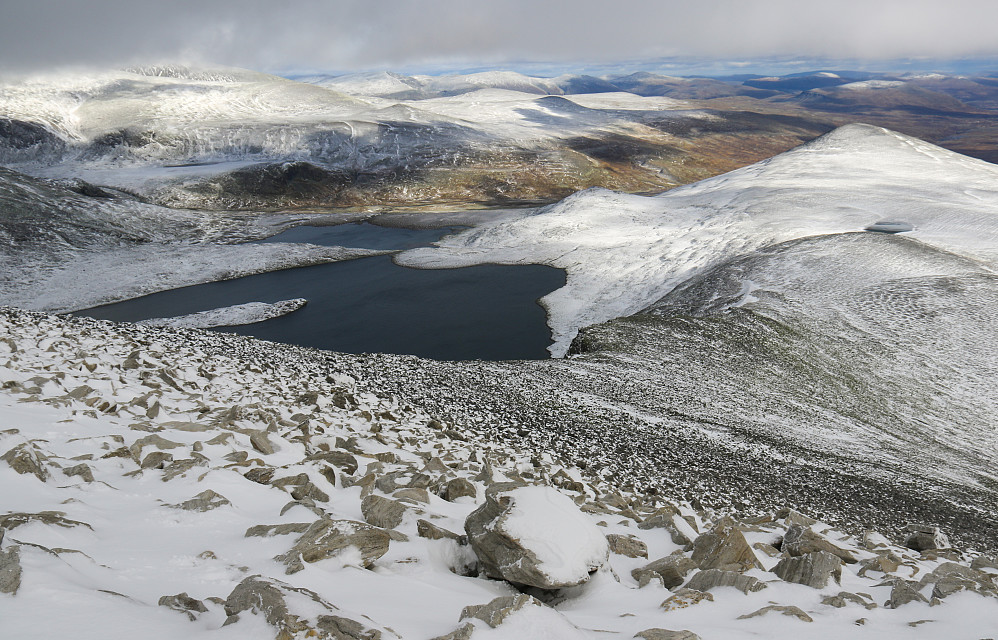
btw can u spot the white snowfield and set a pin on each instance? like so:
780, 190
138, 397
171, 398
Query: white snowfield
624, 252
239, 314
147, 473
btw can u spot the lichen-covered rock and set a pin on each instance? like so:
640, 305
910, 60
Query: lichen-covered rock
666, 634
494, 612
430, 531
204, 501
184, 604
328, 538
671, 570
800, 540
268, 530
536, 536
269, 598
787, 610
813, 569
725, 548
260, 442
382, 512
627, 545
713, 578
844, 597
683, 598
80, 470
925, 537
24, 459
458, 488
10, 570
902, 592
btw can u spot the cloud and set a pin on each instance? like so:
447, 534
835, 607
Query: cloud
352, 34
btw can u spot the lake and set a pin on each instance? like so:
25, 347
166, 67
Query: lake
371, 304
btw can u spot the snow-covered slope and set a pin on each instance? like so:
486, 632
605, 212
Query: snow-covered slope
164, 484
66, 246
624, 252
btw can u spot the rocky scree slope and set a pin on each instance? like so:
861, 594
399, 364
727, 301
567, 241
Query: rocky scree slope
170, 482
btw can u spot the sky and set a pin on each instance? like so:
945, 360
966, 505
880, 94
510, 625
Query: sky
409, 36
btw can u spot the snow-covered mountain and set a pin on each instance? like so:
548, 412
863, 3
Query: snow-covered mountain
624, 252
231, 139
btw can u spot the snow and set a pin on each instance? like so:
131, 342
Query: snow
248, 313
567, 544
624, 252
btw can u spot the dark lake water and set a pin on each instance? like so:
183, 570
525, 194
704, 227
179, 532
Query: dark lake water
370, 305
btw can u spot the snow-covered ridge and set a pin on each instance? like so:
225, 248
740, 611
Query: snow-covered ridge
247, 313
169, 483
624, 252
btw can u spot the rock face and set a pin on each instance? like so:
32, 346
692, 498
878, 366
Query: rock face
535, 536
923, 538
814, 569
327, 538
724, 547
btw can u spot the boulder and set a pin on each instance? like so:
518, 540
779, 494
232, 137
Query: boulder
430, 531
670, 570
327, 538
204, 501
800, 540
260, 442
536, 536
497, 610
184, 604
902, 592
80, 470
382, 512
309, 490
684, 598
458, 488
270, 598
844, 597
812, 570
787, 610
725, 548
627, 545
925, 537
24, 459
713, 578
10, 570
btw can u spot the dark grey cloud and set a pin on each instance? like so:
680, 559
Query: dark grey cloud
352, 35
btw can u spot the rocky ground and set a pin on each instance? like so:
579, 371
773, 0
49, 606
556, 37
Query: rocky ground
167, 482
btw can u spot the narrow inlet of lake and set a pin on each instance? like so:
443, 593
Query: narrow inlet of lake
370, 305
